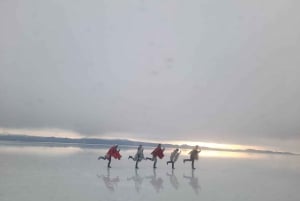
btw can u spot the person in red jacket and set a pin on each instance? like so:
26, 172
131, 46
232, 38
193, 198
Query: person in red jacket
112, 152
157, 152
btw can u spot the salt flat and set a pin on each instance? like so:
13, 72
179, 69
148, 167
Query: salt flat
30, 173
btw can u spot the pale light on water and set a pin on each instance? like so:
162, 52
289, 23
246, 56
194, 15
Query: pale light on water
40, 150
228, 154
72, 173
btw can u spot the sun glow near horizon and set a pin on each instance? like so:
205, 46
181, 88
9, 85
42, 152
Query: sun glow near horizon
216, 145
226, 148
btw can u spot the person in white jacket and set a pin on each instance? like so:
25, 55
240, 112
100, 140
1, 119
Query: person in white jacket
139, 156
174, 156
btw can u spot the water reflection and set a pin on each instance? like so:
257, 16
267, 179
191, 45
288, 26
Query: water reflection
157, 182
110, 183
193, 181
173, 179
46, 149
230, 154
137, 179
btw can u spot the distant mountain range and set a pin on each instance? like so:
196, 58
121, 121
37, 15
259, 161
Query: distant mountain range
92, 142
77, 142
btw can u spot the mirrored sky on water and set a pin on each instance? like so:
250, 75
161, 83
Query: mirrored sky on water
64, 150
67, 173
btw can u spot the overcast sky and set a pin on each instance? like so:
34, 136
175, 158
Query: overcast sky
201, 70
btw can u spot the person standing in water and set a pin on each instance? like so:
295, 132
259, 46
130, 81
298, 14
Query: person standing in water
157, 152
112, 152
139, 156
174, 156
193, 156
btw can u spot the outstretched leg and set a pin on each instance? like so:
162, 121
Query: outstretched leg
130, 157
148, 158
101, 157
184, 160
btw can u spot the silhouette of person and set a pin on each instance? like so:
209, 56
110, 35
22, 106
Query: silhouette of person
139, 156
138, 180
173, 179
173, 157
193, 156
110, 183
112, 152
193, 182
157, 183
157, 152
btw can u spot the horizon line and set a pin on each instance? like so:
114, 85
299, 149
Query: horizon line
170, 143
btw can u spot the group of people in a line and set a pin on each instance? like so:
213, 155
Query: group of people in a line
158, 152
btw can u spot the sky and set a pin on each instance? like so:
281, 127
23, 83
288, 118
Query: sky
199, 70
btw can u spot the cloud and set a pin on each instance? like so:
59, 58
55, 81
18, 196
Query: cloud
156, 70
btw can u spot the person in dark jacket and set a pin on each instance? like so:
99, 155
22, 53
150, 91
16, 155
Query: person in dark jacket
193, 156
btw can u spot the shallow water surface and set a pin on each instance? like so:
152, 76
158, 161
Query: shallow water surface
30, 173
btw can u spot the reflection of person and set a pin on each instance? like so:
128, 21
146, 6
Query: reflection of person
157, 183
139, 156
157, 152
112, 152
110, 183
174, 156
193, 182
193, 156
138, 180
173, 180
